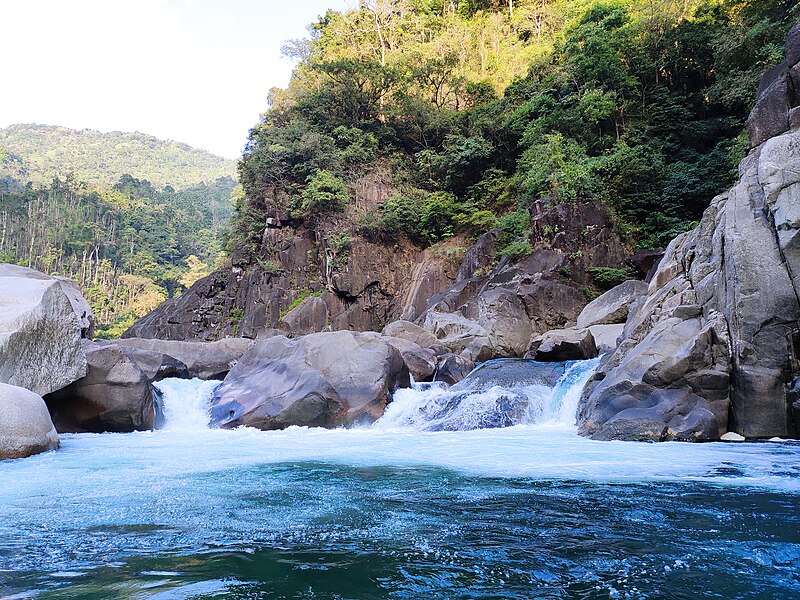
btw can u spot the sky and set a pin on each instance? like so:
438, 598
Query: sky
194, 71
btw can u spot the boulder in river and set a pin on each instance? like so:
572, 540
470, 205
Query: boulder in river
559, 345
115, 395
321, 380
40, 330
25, 425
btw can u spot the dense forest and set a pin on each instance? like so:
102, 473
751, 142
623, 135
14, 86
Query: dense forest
38, 153
130, 243
484, 111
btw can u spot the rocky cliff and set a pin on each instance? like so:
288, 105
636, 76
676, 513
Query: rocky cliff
323, 275
713, 346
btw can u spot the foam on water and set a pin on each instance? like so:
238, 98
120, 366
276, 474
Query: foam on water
185, 403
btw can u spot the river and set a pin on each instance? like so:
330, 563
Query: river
412, 507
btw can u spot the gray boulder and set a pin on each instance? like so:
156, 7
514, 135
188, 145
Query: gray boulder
414, 333
452, 368
421, 362
115, 395
206, 360
563, 344
320, 380
40, 332
512, 373
25, 426
612, 307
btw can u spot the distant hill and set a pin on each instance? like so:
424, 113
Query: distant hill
39, 153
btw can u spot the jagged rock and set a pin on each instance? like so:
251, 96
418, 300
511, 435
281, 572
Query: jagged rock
206, 360
563, 344
719, 327
40, 332
452, 368
321, 380
612, 307
115, 395
25, 425
310, 316
421, 362
414, 333
454, 331
645, 262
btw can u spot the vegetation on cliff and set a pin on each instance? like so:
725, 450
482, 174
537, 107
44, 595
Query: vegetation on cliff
487, 111
130, 242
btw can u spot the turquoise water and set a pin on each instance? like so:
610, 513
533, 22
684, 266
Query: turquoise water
526, 511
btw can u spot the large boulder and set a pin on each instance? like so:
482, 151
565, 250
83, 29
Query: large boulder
25, 425
414, 333
421, 362
563, 344
40, 331
452, 368
115, 395
716, 339
206, 360
320, 380
612, 307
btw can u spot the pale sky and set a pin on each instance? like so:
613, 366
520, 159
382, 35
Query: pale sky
195, 71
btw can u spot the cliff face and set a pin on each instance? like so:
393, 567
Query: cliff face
324, 276
713, 347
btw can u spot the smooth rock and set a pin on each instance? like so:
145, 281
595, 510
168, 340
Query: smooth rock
414, 333
319, 380
25, 427
206, 360
115, 395
564, 344
40, 333
612, 307
452, 368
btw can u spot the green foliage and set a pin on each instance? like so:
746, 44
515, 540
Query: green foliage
513, 231
480, 108
608, 277
325, 192
100, 159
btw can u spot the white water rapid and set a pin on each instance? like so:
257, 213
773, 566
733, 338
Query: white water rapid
436, 407
185, 403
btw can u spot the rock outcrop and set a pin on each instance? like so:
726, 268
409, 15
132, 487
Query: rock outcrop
115, 395
206, 360
42, 320
319, 380
612, 307
25, 425
713, 348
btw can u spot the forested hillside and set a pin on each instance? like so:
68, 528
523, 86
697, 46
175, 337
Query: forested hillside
39, 153
486, 110
131, 242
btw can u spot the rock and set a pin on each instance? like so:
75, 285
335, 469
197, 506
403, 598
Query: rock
414, 333
564, 344
206, 360
732, 437
115, 395
606, 336
501, 312
512, 373
452, 368
310, 316
638, 411
421, 362
612, 307
25, 427
320, 380
645, 262
454, 331
40, 332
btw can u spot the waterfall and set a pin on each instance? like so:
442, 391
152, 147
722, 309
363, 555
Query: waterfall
184, 404
481, 403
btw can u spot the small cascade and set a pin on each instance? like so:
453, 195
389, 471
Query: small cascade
184, 404
488, 399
